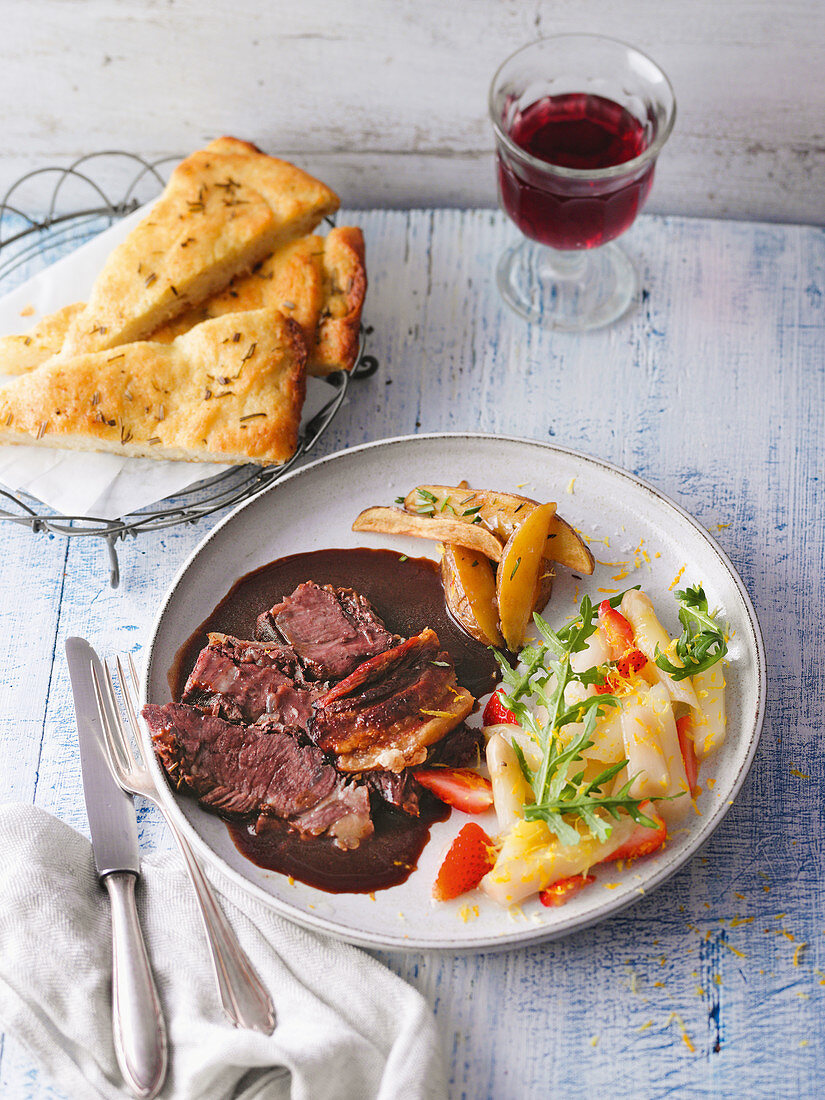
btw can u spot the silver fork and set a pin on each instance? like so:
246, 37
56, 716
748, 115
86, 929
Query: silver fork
244, 998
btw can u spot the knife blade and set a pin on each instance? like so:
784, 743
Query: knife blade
137, 1020
111, 811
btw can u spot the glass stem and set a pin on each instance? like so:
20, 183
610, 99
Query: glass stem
566, 265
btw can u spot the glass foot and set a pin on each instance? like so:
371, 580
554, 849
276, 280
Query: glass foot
567, 291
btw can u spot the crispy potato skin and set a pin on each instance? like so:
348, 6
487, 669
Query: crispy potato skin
544, 586
567, 548
447, 529
470, 591
502, 513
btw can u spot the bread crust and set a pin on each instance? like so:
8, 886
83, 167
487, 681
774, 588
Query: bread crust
318, 281
229, 390
19, 354
336, 342
291, 280
225, 208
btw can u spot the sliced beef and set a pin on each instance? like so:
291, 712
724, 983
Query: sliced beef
396, 788
243, 681
463, 747
344, 813
385, 714
240, 770
333, 630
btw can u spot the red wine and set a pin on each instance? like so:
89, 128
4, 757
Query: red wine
586, 132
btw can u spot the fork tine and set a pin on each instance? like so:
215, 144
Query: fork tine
133, 674
111, 727
128, 700
124, 741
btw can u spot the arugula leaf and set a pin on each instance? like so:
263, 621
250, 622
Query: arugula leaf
526, 770
701, 643
545, 672
612, 805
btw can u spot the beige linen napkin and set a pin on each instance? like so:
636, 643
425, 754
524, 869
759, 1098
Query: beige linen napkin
348, 1029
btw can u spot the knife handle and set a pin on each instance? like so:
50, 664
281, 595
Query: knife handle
137, 1020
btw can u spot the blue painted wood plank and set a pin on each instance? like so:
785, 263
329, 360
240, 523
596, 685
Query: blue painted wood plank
714, 390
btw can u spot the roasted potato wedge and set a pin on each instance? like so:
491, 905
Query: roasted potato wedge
567, 548
518, 572
470, 591
440, 528
544, 585
501, 512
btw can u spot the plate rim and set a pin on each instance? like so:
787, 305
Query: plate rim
482, 943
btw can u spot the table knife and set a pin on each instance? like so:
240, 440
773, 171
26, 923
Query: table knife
137, 1020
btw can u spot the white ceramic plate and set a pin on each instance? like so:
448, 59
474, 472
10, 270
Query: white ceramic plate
628, 523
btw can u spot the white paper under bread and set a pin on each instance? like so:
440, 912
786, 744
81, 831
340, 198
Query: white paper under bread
77, 483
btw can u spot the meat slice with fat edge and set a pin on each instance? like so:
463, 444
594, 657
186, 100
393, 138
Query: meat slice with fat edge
332, 630
386, 713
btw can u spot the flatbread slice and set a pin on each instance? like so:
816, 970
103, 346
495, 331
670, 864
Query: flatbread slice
229, 390
225, 208
19, 354
318, 281
291, 280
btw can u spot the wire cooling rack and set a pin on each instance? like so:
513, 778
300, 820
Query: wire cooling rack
78, 204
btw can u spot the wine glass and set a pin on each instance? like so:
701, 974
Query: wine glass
579, 121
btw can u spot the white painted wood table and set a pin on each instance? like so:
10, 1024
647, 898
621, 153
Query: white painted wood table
713, 389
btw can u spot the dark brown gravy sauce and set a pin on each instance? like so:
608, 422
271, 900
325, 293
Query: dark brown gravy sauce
407, 594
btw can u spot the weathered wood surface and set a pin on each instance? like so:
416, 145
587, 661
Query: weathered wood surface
713, 390
388, 101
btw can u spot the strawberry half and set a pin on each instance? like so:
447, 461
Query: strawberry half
616, 630
470, 856
643, 840
684, 731
495, 713
560, 892
460, 787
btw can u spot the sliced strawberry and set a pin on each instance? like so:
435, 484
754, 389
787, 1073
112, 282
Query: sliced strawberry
616, 630
643, 840
560, 892
609, 687
470, 856
495, 713
631, 662
460, 787
684, 730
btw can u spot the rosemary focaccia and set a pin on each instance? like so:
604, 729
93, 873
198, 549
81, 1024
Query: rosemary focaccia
19, 354
225, 208
318, 281
229, 390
